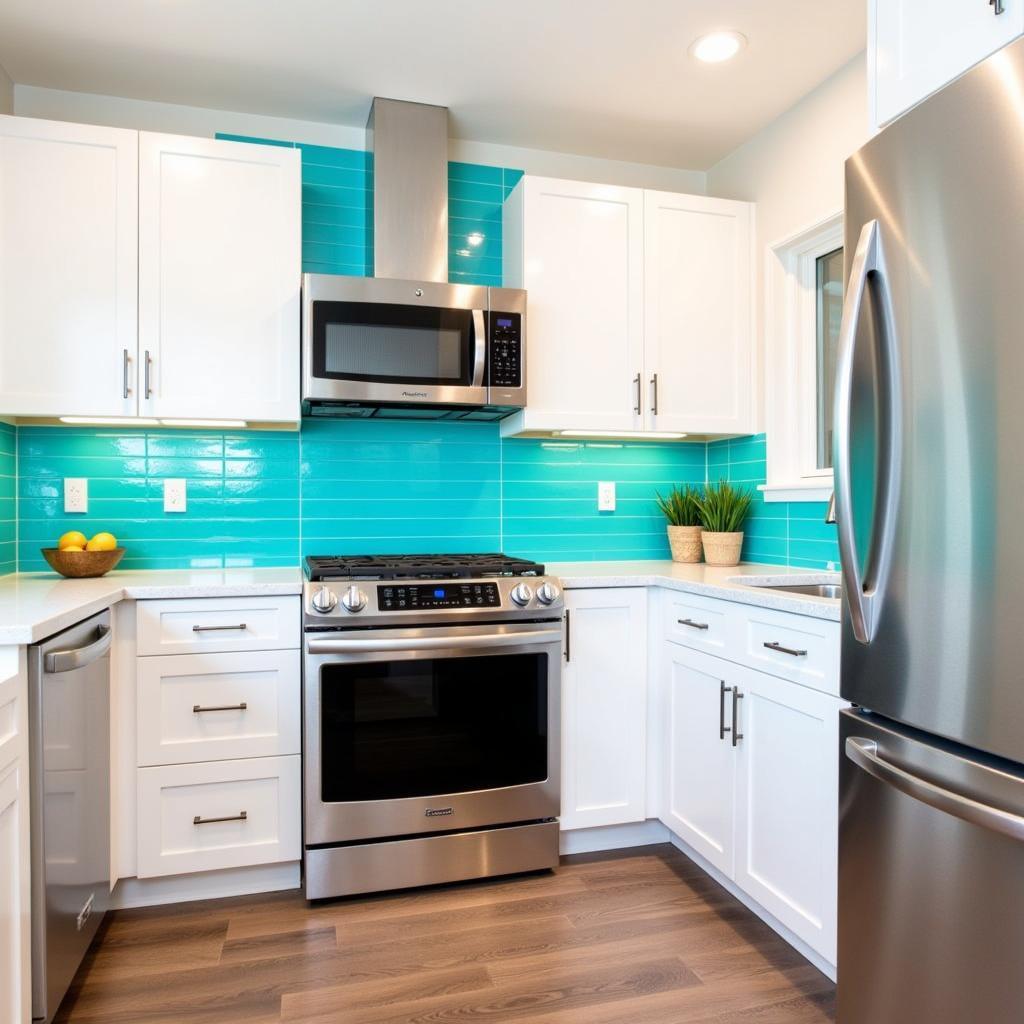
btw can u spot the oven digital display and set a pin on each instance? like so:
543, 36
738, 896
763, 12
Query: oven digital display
404, 597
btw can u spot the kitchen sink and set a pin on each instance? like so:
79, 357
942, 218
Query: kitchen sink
811, 589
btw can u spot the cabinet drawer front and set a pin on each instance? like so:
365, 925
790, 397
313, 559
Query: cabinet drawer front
698, 622
218, 624
794, 647
229, 814
214, 707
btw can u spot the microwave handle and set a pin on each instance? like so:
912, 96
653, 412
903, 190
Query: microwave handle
480, 348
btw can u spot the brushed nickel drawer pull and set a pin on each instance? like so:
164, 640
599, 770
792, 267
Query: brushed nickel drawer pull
773, 646
692, 624
736, 698
211, 629
722, 727
197, 820
198, 709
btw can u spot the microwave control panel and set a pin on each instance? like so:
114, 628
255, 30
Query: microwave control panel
415, 597
505, 364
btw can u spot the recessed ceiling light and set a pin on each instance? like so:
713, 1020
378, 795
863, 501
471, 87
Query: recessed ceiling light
718, 46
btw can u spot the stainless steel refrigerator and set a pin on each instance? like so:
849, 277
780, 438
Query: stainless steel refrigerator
929, 456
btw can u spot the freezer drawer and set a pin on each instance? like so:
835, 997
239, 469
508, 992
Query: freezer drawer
931, 859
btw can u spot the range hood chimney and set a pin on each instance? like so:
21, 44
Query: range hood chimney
409, 147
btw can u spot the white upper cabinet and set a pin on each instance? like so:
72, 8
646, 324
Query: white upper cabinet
917, 46
577, 249
639, 308
698, 351
68, 268
604, 708
219, 273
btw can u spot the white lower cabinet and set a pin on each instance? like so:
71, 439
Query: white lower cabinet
221, 814
752, 785
604, 708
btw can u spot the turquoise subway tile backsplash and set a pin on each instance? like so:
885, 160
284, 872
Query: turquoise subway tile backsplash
8, 498
337, 213
786, 533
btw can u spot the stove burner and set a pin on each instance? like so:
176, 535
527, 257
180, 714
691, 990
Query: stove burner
427, 567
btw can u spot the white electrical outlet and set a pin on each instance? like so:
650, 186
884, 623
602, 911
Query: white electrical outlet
76, 494
606, 496
174, 496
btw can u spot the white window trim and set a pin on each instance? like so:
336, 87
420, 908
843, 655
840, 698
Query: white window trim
791, 362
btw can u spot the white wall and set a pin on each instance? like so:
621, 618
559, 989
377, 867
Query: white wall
88, 108
793, 168
6, 93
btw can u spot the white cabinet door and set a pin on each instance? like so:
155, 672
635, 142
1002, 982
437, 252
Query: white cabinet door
787, 804
68, 268
219, 274
917, 46
578, 250
700, 763
698, 330
604, 708
15, 950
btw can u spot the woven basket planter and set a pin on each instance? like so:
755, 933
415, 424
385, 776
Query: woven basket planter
685, 543
722, 548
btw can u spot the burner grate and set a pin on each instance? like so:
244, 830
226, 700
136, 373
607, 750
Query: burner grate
395, 567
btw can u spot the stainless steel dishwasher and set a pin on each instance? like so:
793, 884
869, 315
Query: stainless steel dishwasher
69, 778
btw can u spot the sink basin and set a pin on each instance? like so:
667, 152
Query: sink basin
811, 589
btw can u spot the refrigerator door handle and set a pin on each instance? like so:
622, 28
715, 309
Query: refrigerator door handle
863, 595
864, 754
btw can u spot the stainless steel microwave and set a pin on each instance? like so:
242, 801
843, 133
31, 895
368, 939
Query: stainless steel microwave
375, 346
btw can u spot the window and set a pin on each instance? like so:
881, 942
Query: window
804, 309
829, 308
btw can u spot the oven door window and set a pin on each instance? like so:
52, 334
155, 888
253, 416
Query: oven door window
392, 730
390, 344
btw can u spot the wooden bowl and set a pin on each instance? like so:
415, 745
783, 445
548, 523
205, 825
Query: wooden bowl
80, 565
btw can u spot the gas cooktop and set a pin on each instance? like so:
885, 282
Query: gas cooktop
424, 567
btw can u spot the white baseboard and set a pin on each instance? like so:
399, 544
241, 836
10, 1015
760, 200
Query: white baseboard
829, 970
613, 837
205, 885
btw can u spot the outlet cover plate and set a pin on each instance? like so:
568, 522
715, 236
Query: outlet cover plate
174, 495
76, 494
606, 496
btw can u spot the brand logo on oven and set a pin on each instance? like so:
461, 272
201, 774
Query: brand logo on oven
438, 812
414, 394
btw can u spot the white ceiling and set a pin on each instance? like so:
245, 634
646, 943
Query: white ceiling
606, 78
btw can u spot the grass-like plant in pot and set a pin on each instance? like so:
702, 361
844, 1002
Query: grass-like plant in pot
681, 507
723, 509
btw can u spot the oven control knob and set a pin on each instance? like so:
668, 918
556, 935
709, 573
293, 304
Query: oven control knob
521, 594
353, 599
323, 600
548, 593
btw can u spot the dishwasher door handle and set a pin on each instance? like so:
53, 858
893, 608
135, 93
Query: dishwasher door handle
79, 657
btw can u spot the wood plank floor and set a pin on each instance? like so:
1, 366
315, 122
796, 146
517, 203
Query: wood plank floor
639, 937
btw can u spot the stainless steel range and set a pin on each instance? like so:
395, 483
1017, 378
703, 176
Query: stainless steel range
431, 717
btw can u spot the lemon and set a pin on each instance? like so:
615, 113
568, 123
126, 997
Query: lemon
72, 539
102, 542
72, 547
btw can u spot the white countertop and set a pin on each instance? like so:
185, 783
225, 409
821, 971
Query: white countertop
36, 605
711, 581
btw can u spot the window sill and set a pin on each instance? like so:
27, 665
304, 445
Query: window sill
799, 491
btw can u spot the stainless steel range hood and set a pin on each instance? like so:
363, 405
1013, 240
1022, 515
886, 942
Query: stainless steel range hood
408, 143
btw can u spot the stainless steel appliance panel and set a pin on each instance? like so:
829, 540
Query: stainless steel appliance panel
929, 477
69, 778
931, 860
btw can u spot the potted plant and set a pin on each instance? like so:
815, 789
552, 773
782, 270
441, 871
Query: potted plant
682, 510
722, 510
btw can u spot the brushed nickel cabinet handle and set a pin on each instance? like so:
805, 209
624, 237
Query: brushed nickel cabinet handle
997, 6
147, 390
198, 709
639, 399
722, 727
241, 816
125, 389
773, 646
213, 629
736, 698
568, 635
692, 624
654, 386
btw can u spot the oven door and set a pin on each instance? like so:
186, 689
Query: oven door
374, 340
410, 731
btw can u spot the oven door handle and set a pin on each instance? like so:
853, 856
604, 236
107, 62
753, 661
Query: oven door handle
433, 643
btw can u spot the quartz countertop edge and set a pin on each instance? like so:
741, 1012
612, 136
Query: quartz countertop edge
34, 606
723, 583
